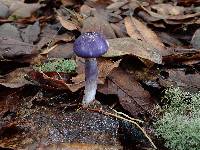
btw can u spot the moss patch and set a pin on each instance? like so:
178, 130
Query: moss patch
180, 124
57, 65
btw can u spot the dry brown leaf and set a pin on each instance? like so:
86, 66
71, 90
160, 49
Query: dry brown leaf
49, 36
119, 33
188, 2
86, 11
182, 55
68, 3
130, 46
196, 39
9, 30
138, 31
97, 24
22, 10
169, 19
168, 9
11, 48
62, 51
31, 33
116, 5
16, 78
67, 24
169, 39
80, 146
132, 96
179, 78
183, 17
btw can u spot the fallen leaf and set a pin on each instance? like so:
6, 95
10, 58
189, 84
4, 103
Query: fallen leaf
67, 24
31, 33
8, 2
86, 11
188, 2
138, 31
50, 80
179, 78
168, 9
196, 39
16, 78
169, 39
10, 31
62, 51
116, 5
130, 46
114, 18
80, 146
49, 36
68, 3
183, 17
23, 10
182, 55
169, 19
11, 48
97, 24
3, 10
56, 127
118, 31
132, 96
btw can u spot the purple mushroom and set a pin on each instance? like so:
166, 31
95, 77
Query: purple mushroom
90, 45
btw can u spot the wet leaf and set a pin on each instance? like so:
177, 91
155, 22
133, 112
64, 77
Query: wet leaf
56, 127
132, 96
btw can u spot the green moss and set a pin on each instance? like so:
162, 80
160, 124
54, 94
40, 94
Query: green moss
58, 65
180, 124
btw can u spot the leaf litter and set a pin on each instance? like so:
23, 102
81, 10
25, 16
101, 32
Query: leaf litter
157, 41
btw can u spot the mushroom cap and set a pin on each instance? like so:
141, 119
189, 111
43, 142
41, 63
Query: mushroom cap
90, 45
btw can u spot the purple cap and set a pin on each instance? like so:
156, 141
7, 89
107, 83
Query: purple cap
90, 45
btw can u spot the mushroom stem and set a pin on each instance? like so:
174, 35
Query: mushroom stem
91, 75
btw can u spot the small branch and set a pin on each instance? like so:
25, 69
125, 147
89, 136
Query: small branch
131, 120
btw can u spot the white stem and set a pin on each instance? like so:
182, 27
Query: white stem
91, 75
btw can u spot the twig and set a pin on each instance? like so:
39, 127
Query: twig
128, 120
121, 113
